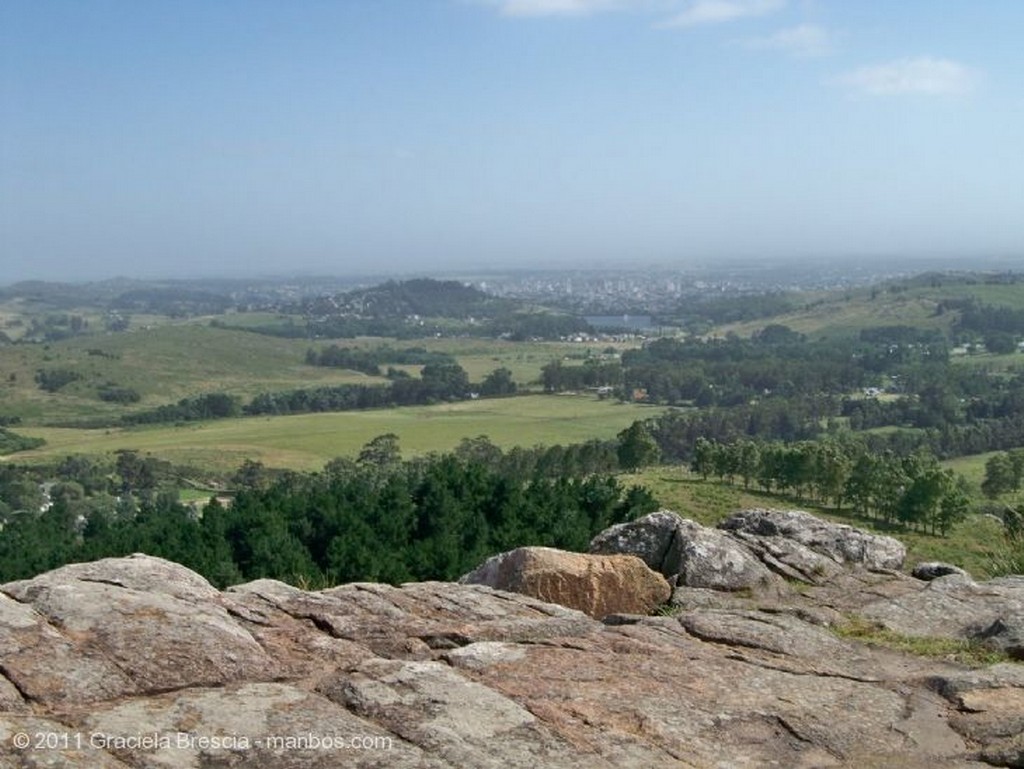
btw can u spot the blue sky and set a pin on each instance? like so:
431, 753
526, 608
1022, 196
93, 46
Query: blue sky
253, 136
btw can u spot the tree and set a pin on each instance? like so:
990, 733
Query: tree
137, 473
478, 449
382, 452
703, 457
499, 382
638, 501
251, 475
954, 506
1000, 343
999, 476
920, 503
831, 470
637, 447
551, 376
860, 484
748, 457
445, 381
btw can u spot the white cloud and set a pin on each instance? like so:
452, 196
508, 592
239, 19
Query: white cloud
802, 40
693, 11
562, 7
719, 11
925, 75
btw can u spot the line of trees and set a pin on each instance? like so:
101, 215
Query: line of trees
438, 381
369, 361
911, 490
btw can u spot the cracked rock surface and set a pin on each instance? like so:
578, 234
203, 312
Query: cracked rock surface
139, 663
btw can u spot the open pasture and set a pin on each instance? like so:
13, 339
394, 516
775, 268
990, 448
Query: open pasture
307, 441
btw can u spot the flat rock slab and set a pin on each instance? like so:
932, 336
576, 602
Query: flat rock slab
953, 606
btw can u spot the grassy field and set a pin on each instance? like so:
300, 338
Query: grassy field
163, 364
970, 545
307, 441
168, 362
845, 313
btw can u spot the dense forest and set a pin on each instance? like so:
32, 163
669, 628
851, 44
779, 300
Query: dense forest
375, 518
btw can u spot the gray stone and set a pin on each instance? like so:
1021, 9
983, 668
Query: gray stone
789, 558
955, 607
1006, 634
929, 570
648, 538
685, 552
843, 544
704, 557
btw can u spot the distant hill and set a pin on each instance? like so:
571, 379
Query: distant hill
957, 305
425, 297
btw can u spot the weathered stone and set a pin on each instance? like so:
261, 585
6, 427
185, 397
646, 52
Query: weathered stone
929, 570
790, 559
703, 557
1005, 634
648, 538
463, 722
844, 544
954, 607
124, 625
272, 725
778, 633
47, 666
483, 654
443, 676
50, 743
685, 552
597, 585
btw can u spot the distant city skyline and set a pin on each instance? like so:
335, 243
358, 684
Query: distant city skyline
238, 137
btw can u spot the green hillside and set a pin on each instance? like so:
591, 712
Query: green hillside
921, 302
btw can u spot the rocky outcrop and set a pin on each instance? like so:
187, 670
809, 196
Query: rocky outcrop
685, 552
956, 607
748, 548
843, 545
597, 585
137, 663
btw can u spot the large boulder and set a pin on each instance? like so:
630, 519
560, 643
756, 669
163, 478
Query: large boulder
685, 552
703, 557
597, 585
843, 544
648, 538
119, 626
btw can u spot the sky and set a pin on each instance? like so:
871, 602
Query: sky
233, 137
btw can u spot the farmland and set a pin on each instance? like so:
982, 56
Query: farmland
307, 441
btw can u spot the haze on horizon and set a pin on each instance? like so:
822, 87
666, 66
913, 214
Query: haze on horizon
250, 136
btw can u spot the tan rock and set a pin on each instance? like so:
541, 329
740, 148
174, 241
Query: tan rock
597, 585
